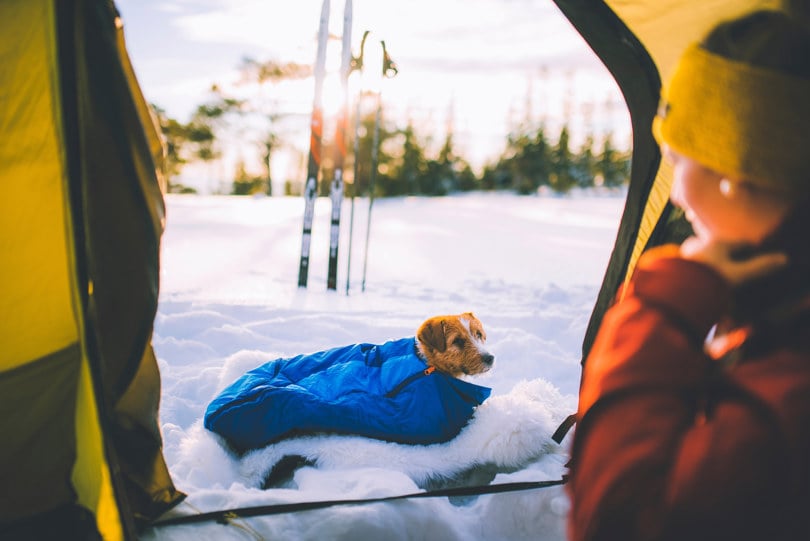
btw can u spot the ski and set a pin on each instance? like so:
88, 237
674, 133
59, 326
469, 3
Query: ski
336, 190
315, 138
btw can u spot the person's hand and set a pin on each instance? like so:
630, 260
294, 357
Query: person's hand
721, 257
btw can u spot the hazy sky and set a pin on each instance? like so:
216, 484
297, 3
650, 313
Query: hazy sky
483, 65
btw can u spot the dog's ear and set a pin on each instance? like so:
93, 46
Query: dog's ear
431, 334
477, 329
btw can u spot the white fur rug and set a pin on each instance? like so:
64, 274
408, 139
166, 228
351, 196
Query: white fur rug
507, 432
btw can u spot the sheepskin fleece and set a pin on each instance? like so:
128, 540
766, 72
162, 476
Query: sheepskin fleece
506, 433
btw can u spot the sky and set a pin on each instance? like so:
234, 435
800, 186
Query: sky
528, 266
479, 66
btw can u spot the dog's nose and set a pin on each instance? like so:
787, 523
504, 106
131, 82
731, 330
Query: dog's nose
488, 359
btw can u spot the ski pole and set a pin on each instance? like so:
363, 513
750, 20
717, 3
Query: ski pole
357, 64
354, 190
372, 178
389, 70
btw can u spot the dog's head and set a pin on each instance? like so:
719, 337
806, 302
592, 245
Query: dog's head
454, 344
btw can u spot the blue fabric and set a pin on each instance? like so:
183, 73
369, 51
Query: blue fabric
343, 390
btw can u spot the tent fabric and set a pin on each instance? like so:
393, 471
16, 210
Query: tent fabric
636, 74
80, 223
34, 284
42, 428
362, 389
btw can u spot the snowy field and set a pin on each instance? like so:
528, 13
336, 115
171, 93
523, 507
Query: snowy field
528, 267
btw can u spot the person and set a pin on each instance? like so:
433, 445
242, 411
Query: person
694, 408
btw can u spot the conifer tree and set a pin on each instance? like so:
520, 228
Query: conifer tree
562, 178
412, 164
585, 164
612, 165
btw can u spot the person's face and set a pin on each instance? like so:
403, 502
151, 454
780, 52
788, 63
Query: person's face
743, 214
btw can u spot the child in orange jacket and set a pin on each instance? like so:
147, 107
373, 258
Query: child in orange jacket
694, 412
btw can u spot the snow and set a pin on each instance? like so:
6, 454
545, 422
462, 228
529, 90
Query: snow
528, 267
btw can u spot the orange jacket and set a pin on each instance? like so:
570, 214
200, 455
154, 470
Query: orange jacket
672, 443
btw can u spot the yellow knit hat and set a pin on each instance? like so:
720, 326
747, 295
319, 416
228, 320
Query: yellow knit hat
741, 120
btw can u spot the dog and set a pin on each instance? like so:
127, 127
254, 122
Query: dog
405, 390
454, 344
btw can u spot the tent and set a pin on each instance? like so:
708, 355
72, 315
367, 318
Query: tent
81, 218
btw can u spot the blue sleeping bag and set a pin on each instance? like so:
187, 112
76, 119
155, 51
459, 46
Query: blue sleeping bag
379, 391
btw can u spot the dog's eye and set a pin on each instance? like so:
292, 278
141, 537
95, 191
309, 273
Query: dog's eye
458, 342
479, 335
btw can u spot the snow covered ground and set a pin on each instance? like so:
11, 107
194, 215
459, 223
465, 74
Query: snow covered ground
530, 269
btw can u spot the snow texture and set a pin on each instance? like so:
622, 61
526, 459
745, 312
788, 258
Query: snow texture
528, 267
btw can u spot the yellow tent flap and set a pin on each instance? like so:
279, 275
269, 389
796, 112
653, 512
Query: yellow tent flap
80, 225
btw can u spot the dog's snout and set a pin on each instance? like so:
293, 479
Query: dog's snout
488, 359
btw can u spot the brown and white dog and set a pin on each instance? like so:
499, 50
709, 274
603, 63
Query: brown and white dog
454, 344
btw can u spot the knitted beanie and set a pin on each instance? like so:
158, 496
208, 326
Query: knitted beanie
739, 102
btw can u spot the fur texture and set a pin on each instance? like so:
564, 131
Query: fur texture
454, 344
506, 433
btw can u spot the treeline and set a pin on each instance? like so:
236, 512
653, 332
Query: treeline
407, 161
